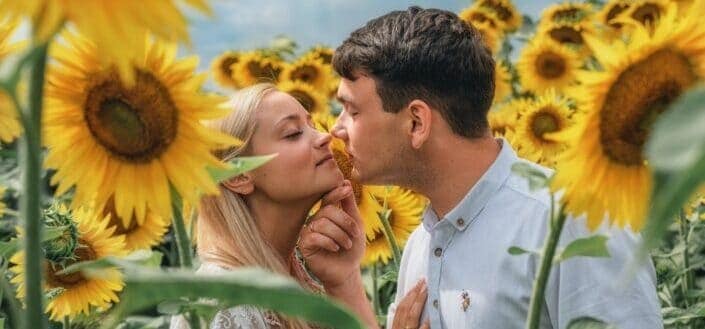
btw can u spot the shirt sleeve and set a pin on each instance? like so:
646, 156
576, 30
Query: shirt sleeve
598, 287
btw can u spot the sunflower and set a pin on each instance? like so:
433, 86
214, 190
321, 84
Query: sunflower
506, 12
540, 120
114, 26
569, 34
502, 82
482, 15
137, 236
323, 53
254, 67
406, 210
545, 64
491, 37
75, 293
129, 143
10, 126
604, 170
567, 12
311, 71
222, 68
647, 12
503, 118
310, 98
608, 17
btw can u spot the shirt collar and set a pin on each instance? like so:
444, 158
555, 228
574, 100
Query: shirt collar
475, 200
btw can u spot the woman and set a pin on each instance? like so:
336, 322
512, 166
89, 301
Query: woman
256, 219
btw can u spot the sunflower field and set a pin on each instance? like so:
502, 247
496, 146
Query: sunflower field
104, 152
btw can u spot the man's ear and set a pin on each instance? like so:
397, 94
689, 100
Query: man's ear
421, 116
240, 184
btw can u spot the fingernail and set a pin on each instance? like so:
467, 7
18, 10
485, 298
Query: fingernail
348, 244
337, 247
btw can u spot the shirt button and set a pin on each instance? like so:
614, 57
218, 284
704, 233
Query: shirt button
438, 252
461, 222
435, 303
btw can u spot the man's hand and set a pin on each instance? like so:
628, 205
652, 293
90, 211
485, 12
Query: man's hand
333, 242
408, 312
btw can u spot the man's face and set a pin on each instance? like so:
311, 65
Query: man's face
375, 139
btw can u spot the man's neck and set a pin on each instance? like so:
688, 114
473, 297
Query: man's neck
454, 169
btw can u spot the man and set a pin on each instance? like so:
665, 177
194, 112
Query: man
416, 88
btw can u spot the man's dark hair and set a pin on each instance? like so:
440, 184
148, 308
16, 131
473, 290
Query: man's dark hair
426, 54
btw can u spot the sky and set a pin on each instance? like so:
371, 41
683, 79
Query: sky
248, 24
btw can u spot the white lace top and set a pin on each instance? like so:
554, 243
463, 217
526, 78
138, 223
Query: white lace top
239, 317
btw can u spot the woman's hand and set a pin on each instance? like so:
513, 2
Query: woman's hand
408, 312
333, 242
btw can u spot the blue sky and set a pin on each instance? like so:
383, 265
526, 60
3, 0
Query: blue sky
247, 24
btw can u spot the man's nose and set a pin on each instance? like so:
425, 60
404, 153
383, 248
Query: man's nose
339, 129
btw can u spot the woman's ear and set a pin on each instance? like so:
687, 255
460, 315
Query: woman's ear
240, 184
421, 116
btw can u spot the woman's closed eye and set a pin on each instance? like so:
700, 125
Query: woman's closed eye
294, 135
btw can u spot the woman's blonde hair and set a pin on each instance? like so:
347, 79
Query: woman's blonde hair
227, 232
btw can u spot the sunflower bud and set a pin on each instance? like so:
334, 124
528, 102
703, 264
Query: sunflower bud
61, 248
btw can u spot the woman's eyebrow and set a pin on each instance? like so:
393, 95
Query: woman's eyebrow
289, 117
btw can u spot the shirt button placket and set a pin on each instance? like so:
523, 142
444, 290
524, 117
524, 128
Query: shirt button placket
439, 237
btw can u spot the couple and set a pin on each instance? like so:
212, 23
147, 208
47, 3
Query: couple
416, 87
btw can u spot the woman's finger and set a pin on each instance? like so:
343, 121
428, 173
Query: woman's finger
400, 316
330, 229
314, 241
342, 219
426, 325
336, 195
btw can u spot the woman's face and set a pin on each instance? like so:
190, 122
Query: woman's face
304, 167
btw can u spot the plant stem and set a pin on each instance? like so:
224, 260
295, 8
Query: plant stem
183, 243
389, 234
31, 202
687, 279
549, 250
375, 289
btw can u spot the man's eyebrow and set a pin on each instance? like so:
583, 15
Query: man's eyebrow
343, 99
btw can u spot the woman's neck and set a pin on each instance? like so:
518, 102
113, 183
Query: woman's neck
280, 223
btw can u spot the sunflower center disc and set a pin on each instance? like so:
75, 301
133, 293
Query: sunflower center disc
646, 14
613, 13
637, 97
304, 98
550, 65
544, 123
116, 221
305, 73
226, 65
566, 34
136, 124
83, 253
263, 70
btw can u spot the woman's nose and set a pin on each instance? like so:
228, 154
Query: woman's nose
323, 140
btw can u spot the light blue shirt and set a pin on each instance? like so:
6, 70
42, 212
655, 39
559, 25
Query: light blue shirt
473, 282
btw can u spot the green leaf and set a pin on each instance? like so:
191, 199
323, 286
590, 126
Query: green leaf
537, 178
238, 166
592, 246
133, 261
146, 288
514, 250
676, 153
588, 323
